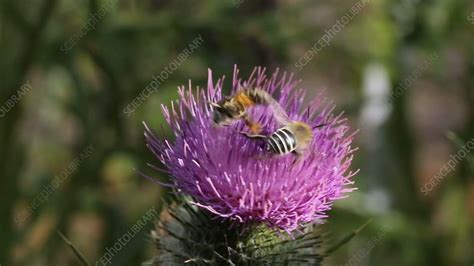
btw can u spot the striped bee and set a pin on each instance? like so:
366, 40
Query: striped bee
294, 137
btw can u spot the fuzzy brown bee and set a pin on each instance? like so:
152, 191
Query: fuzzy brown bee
235, 107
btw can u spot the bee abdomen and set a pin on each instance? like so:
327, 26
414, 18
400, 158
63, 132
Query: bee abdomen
282, 141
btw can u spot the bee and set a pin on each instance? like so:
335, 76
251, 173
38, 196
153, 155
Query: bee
292, 137
233, 108
295, 137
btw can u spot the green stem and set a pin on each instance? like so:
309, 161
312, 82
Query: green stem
76, 251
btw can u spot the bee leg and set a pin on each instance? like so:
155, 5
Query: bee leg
252, 135
254, 127
298, 156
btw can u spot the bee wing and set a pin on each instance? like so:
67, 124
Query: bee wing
279, 113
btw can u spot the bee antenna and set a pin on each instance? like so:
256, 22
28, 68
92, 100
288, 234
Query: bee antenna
318, 126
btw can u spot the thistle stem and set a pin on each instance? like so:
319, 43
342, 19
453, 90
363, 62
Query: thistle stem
76, 251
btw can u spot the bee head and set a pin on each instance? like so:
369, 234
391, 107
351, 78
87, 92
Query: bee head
221, 116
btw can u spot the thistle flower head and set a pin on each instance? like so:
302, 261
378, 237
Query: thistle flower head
233, 177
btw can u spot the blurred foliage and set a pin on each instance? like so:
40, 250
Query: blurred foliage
78, 96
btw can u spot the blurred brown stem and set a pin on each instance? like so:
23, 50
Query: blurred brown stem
76, 251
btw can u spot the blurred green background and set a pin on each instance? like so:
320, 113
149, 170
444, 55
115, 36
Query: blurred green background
69, 68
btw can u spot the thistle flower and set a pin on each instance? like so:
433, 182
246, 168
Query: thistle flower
231, 176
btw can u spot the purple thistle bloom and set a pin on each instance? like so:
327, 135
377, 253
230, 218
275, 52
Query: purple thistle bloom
233, 177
